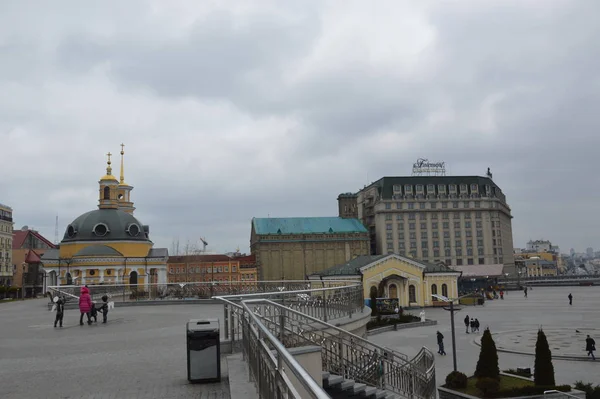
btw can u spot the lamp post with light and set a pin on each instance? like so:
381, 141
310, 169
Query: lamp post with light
452, 309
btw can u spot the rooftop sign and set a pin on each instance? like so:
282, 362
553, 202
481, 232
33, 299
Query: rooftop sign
425, 168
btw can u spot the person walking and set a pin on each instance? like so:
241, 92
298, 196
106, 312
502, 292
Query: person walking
104, 308
570, 299
590, 346
60, 311
472, 324
501, 294
525, 291
85, 305
467, 320
440, 341
477, 325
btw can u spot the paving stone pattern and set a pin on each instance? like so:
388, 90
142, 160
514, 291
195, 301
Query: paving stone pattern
547, 307
139, 353
568, 341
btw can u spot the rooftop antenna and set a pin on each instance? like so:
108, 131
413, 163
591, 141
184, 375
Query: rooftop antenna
56, 231
204, 244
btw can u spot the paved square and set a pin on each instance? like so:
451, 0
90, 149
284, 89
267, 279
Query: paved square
546, 306
139, 353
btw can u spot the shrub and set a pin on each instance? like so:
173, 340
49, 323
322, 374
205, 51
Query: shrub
532, 390
518, 372
456, 380
487, 365
489, 387
373, 295
543, 373
591, 392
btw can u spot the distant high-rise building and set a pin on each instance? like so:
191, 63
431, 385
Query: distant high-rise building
539, 246
590, 252
458, 220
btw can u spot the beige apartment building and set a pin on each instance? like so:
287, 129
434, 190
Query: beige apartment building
6, 236
458, 220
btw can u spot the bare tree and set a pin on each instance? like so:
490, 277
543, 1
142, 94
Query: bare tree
189, 249
175, 246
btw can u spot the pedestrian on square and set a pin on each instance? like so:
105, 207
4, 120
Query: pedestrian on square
525, 291
85, 305
94, 312
477, 325
104, 308
570, 299
501, 294
467, 323
59, 307
590, 346
472, 323
440, 341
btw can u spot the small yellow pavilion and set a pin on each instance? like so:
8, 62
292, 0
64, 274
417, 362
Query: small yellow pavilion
411, 281
107, 245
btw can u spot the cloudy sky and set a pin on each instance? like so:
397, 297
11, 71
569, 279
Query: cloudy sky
234, 109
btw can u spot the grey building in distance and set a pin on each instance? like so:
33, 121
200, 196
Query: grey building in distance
458, 220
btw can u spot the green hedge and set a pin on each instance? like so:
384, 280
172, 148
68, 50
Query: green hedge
381, 322
591, 392
530, 391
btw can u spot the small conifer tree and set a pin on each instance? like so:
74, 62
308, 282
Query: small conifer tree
487, 365
373, 295
543, 373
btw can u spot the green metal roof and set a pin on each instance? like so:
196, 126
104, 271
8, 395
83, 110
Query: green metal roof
314, 225
352, 267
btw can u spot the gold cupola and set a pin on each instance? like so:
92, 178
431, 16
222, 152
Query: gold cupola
124, 189
108, 183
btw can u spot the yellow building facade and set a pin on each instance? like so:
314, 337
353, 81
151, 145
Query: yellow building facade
393, 276
107, 245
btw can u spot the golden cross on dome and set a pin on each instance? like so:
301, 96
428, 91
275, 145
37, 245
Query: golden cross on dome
122, 148
109, 155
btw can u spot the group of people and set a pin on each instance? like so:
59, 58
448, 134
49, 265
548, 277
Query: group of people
472, 323
87, 307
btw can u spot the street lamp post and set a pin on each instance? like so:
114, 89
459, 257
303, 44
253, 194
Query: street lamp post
452, 310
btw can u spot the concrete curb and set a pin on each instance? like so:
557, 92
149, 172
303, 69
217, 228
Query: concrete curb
557, 357
401, 326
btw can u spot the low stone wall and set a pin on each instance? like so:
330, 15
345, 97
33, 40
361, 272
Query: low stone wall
159, 302
401, 326
445, 393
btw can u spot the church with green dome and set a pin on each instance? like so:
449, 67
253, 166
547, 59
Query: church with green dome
108, 245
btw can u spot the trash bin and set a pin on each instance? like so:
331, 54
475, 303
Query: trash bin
203, 350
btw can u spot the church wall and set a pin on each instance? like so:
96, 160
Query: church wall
439, 279
129, 249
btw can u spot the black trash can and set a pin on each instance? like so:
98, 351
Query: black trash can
203, 351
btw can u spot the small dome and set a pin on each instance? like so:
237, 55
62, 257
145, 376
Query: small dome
106, 225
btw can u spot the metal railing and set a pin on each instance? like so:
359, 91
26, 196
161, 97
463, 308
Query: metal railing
269, 371
193, 290
554, 391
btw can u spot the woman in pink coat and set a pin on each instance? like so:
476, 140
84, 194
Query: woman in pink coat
85, 305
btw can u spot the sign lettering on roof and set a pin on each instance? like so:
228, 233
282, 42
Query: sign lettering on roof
423, 167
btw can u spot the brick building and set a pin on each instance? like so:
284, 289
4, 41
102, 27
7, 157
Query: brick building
207, 268
294, 248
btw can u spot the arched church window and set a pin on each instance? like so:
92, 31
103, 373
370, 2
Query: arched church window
445, 290
433, 292
393, 291
121, 196
106, 193
412, 294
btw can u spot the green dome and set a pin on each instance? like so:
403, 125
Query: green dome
106, 225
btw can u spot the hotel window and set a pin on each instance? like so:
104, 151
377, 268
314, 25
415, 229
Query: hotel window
434, 216
388, 205
411, 216
411, 226
458, 251
447, 252
478, 225
469, 243
226, 269
422, 205
424, 234
233, 269
457, 234
469, 251
479, 233
419, 188
411, 205
494, 242
453, 188
413, 236
441, 188
459, 262
401, 236
400, 244
388, 226
463, 188
425, 254
389, 236
435, 234
397, 188
482, 261
431, 188
468, 233
470, 261
422, 216
390, 245
456, 215
424, 244
446, 244
446, 215
436, 253
480, 243
407, 188
423, 226
388, 217
477, 215
455, 204
446, 225
413, 244
474, 188
436, 244
467, 215
399, 217
444, 205
467, 225
494, 234
434, 225
400, 226
457, 225
433, 205
477, 204
398, 205
446, 234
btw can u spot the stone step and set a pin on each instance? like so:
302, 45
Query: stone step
369, 392
358, 388
333, 380
347, 384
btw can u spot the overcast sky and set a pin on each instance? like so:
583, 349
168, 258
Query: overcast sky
237, 109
